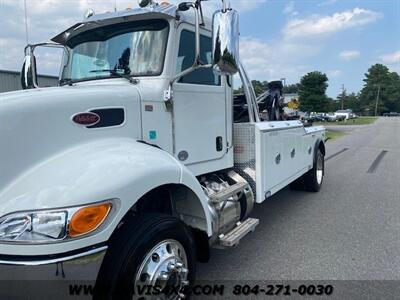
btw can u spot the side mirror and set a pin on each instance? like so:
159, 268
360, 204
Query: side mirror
226, 42
28, 72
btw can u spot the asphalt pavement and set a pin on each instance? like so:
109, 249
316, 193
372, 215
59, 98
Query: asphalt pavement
350, 230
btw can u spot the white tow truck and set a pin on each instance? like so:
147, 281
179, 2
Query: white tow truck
135, 165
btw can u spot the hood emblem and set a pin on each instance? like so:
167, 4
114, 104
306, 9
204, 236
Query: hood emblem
86, 119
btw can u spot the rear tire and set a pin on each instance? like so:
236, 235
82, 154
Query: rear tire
152, 250
314, 178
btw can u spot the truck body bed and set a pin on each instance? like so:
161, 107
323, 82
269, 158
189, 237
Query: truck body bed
271, 155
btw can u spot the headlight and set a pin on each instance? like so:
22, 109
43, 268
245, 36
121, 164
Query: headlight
53, 225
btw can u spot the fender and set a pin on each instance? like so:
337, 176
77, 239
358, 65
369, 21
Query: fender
116, 168
317, 146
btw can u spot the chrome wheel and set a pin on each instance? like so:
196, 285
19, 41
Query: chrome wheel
164, 266
320, 169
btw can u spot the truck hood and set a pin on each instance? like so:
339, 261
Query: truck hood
37, 124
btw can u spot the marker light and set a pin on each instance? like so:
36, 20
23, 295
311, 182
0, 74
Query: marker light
88, 219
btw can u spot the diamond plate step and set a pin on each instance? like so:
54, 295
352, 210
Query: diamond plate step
228, 192
233, 237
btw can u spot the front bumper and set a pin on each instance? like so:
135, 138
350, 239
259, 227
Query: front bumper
64, 276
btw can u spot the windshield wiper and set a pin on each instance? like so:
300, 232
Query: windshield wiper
66, 81
69, 81
114, 73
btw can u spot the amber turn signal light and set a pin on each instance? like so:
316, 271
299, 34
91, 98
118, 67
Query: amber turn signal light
88, 219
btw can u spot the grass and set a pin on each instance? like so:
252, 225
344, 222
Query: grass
357, 121
333, 135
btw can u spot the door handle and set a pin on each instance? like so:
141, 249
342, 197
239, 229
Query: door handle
278, 159
219, 144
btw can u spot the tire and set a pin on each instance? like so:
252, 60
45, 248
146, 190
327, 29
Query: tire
314, 178
150, 249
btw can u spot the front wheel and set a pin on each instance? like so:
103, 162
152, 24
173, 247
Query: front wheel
151, 250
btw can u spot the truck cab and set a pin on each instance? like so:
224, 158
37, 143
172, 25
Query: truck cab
135, 160
152, 48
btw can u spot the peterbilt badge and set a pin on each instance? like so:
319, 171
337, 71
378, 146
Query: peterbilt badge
86, 119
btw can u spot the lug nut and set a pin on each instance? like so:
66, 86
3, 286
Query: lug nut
179, 265
172, 267
184, 270
164, 276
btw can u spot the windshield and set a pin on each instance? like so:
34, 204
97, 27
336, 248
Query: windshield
128, 49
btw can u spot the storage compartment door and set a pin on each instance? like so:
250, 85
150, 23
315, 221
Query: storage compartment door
272, 169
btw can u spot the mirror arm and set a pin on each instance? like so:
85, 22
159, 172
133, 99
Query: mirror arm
197, 34
188, 71
26, 49
32, 47
168, 93
202, 24
223, 6
197, 62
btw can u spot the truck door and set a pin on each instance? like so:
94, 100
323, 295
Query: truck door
199, 117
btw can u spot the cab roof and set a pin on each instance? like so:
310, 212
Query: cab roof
163, 11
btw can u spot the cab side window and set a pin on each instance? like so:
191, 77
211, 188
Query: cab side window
186, 57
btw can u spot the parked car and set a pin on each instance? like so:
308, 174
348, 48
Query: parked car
331, 117
347, 113
320, 118
313, 118
391, 114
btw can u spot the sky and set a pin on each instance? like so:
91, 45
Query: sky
279, 38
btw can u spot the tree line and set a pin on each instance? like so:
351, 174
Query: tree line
261, 86
380, 93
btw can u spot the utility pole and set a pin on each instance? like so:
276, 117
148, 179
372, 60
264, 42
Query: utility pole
343, 94
115, 5
377, 100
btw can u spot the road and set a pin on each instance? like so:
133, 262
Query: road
348, 231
